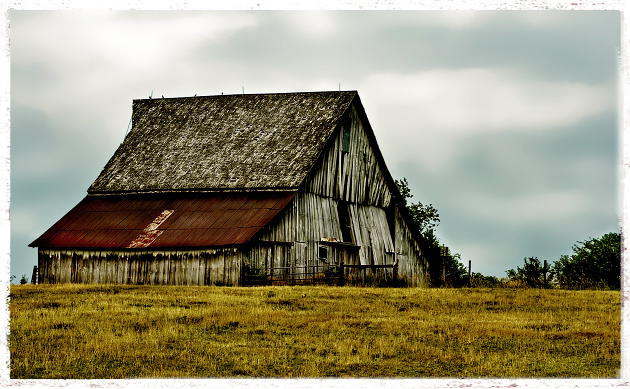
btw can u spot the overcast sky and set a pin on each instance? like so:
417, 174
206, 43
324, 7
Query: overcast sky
505, 121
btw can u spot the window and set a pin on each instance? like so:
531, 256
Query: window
346, 129
323, 253
346, 138
344, 220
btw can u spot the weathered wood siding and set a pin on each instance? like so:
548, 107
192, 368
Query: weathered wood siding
307, 220
371, 232
274, 259
412, 264
353, 175
346, 181
196, 267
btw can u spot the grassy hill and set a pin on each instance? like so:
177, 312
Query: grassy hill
107, 331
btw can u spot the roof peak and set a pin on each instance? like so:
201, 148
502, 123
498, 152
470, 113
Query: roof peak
247, 94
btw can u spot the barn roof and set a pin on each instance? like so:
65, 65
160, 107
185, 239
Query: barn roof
164, 220
206, 171
223, 142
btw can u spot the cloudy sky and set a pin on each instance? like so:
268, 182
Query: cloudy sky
505, 121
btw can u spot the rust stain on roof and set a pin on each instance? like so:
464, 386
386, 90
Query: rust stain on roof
144, 239
150, 233
159, 220
164, 220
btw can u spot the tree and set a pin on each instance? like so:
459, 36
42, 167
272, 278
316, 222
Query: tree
455, 272
532, 274
24, 279
426, 218
595, 263
480, 281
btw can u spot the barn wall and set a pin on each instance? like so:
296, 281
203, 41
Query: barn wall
371, 231
353, 175
349, 182
412, 264
195, 267
294, 241
307, 220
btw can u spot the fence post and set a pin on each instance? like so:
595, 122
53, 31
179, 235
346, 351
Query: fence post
340, 280
469, 274
545, 274
35, 276
443, 253
395, 272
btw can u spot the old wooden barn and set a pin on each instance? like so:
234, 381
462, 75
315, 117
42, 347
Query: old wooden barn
215, 190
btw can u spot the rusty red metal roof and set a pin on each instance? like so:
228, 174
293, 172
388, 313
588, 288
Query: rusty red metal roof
164, 220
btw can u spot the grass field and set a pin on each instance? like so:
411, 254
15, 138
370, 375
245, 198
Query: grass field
79, 331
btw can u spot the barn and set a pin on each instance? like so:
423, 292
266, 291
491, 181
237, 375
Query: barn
284, 188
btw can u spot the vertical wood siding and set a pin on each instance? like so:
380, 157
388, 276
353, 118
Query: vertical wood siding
308, 219
352, 176
372, 233
353, 180
411, 262
196, 267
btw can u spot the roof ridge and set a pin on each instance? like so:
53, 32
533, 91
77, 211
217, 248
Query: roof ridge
193, 191
245, 94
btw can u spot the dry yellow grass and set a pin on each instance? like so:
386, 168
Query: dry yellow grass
78, 331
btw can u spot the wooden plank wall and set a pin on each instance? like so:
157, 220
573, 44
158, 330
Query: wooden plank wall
317, 218
371, 231
352, 176
308, 219
207, 267
354, 179
273, 258
411, 262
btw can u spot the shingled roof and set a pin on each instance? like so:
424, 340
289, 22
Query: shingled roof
223, 142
